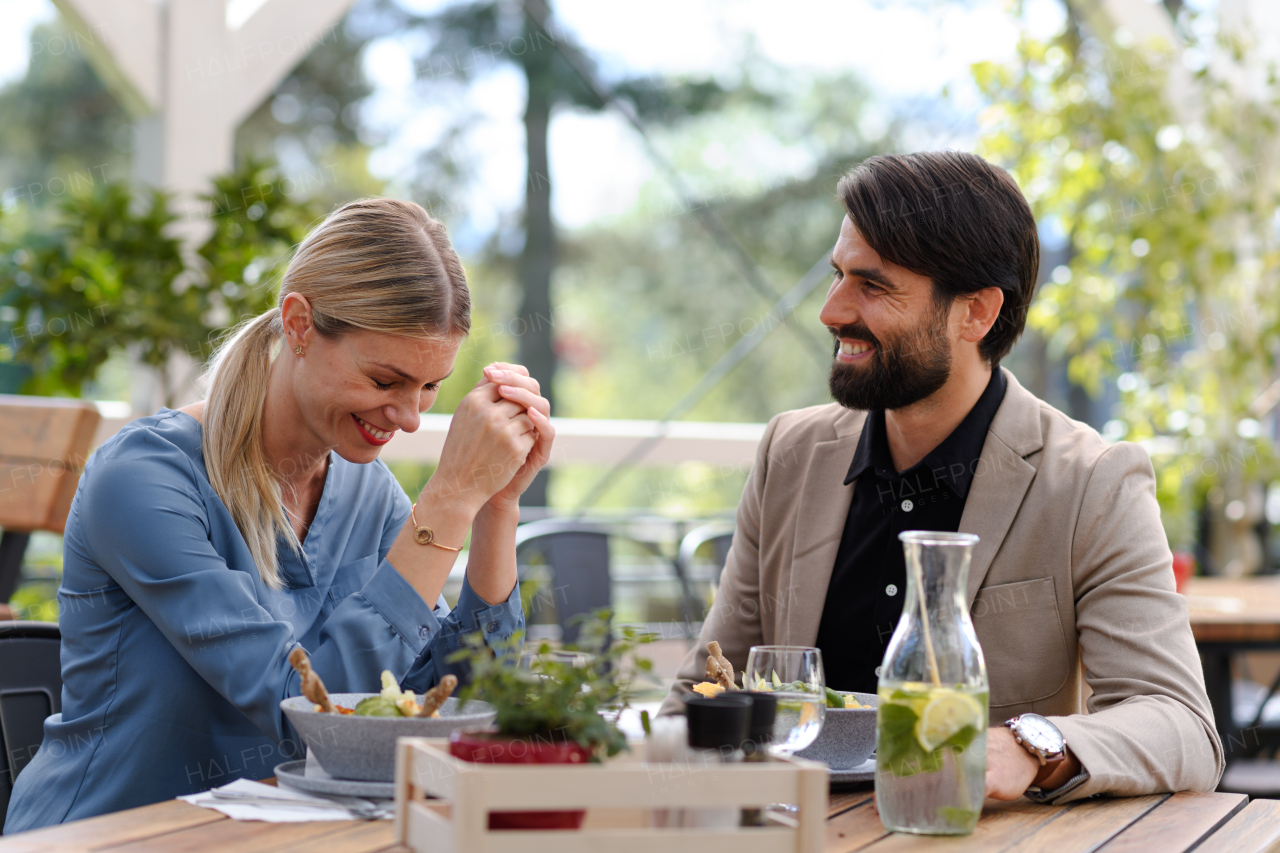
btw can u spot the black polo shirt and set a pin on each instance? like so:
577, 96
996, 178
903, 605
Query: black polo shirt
869, 581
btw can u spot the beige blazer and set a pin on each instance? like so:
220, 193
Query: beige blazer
1072, 580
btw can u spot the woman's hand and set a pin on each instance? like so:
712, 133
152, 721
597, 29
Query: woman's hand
516, 385
489, 442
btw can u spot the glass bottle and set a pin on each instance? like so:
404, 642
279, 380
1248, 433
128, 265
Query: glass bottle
931, 724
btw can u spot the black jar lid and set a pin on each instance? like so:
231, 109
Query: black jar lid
764, 711
720, 722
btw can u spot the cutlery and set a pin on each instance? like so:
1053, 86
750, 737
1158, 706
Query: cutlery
362, 809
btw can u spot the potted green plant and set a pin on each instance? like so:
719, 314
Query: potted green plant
555, 705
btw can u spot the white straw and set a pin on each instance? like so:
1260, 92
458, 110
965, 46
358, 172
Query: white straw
924, 618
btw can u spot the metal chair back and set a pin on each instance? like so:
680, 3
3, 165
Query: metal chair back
719, 534
30, 691
576, 554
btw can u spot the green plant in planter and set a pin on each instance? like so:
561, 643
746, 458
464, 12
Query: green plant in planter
573, 692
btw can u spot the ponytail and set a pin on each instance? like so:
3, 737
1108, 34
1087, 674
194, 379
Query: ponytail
233, 452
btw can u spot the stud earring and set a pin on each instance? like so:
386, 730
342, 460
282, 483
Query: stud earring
297, 350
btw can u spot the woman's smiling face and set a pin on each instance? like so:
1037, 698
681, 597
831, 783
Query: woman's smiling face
353, 393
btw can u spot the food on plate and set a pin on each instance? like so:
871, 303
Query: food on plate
719, 673
436, 696
312, 686
394, 702
719, 670
836, 699
391, 702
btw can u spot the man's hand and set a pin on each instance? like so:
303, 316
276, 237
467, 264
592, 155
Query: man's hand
1011, 769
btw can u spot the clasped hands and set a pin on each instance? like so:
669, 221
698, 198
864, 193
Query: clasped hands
499, 438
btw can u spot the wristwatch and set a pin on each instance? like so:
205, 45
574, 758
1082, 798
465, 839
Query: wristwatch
1039, 737
1044, 740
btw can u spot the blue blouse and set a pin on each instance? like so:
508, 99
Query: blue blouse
174, 652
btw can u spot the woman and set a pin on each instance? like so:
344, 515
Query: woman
204, 544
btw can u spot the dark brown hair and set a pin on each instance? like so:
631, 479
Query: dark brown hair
955, 218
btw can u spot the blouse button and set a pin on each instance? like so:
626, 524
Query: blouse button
907, 505
891, 590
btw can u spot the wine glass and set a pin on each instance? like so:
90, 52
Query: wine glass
794, 675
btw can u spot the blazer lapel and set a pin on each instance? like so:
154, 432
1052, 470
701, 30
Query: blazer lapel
820, 519
1002, 477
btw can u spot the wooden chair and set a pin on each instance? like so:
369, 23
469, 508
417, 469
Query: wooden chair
44, 443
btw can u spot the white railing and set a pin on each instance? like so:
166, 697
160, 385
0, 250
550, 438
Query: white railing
577, 440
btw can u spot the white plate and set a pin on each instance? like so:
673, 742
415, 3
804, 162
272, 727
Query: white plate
294, 774
864, 772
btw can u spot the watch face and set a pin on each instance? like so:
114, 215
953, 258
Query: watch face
1040, 734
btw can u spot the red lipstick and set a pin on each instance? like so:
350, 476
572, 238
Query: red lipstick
368, 436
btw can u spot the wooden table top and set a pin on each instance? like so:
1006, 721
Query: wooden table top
1163, 822
1224, 610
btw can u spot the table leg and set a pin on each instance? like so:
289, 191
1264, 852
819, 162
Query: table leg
1236, 743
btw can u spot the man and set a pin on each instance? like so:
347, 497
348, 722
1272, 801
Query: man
1071, 582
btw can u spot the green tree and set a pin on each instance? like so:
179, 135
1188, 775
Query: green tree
108, 276
60, 124
467, 41
1172, 289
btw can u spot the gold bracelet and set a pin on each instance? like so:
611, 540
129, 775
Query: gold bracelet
425, 535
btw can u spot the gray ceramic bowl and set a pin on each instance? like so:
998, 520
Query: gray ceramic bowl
848, 735
364, 748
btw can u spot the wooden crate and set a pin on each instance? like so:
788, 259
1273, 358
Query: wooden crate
618, 796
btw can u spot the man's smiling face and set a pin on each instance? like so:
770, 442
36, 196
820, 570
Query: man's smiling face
893, 342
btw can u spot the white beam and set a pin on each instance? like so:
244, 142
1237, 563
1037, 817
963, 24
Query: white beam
201, 81
277, 37
121, 38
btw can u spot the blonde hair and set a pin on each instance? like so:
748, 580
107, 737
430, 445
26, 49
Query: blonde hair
377, 264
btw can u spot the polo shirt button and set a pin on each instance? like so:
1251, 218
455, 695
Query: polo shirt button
907, 506
491, 627
891, 590
879, 669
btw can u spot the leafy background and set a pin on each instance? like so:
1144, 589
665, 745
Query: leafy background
1155, 320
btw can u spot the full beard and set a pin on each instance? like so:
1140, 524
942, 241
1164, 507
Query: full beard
907, 370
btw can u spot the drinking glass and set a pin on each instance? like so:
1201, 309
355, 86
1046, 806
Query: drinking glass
793, 674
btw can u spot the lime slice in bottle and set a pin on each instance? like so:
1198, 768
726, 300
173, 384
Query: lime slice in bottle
946, 713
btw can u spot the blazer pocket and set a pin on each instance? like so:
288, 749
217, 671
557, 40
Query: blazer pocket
1020, 630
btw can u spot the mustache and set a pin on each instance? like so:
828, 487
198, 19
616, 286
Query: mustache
853, 330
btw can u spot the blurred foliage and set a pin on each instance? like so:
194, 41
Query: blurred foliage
571, 693
311, 122
646, 302
1172, 287
256, 224
109, 275
101, 279
61, 125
